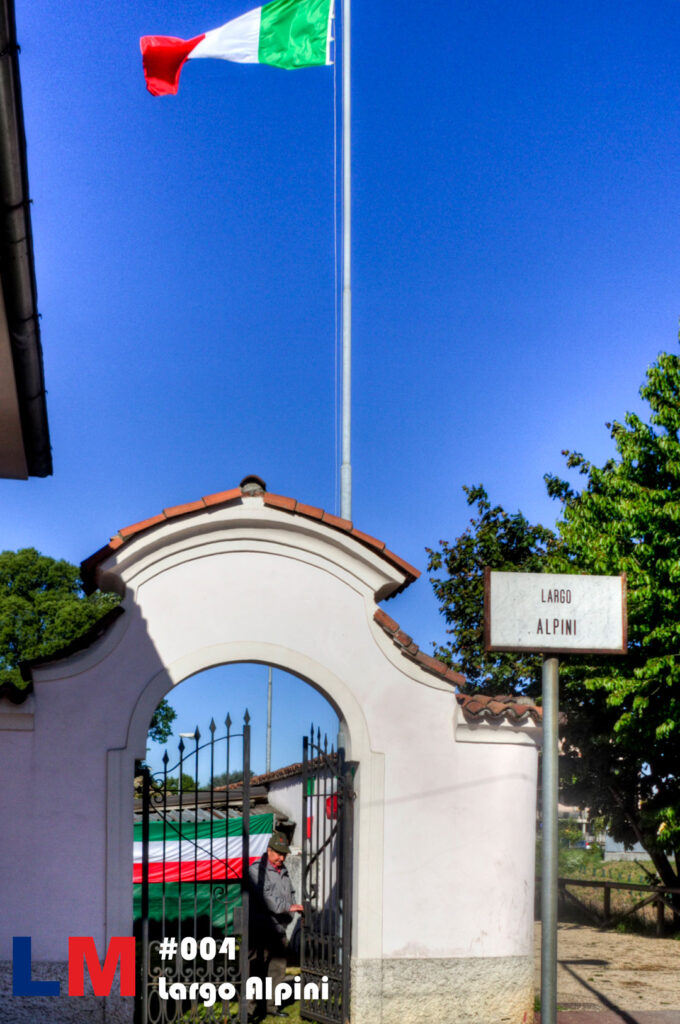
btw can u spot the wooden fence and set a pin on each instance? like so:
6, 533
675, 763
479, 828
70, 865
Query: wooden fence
658, 896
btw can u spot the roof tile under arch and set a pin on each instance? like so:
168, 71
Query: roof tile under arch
285, 772
413, 652
478, 707
89, 566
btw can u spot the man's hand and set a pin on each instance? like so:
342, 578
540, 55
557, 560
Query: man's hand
296, 908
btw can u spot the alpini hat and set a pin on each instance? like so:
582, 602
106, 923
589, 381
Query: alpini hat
279, 843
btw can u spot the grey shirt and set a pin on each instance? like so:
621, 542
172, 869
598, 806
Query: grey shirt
274, 893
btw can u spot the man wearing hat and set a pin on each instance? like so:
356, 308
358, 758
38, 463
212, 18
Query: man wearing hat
271, 908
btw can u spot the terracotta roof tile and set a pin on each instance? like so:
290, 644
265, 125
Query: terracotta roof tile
411, 650
288, 771
145, 524
338, 523
183, 510
478, 707
366, 538
383, 619
279, 501
222, 497
434, 664
406, 566
495, 707
309, 510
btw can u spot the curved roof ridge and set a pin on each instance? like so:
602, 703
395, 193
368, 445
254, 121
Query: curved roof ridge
249, 486
411, 650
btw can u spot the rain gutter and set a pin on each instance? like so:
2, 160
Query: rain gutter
17, 268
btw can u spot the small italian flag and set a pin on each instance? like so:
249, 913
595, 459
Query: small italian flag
284, 33
310, 806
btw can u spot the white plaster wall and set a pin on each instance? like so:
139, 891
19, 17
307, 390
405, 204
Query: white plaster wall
443, 829
465, 872
18, 856
286, 797
53, 885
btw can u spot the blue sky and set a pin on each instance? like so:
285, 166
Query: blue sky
516, 261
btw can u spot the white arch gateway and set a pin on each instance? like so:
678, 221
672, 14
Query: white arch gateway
446, 785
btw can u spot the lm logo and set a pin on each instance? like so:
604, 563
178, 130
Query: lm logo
81, 951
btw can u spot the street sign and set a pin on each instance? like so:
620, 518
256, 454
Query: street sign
554, 613
550, 614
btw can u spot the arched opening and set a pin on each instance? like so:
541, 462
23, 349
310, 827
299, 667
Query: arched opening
242, 770
237, 687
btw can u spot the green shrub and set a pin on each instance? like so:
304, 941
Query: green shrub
569, 832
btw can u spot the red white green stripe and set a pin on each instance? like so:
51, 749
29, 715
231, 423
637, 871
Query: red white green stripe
284, 33
199, 853
310, 806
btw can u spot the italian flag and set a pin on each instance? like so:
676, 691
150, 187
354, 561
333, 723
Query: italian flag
199, 852
331, 806
284, 33
197, 871
310, 806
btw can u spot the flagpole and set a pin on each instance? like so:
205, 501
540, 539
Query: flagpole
346, 467
268, 758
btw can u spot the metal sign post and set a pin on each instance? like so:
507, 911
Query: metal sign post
552, 614
549, 844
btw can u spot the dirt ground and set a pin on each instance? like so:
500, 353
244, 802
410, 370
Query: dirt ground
600, 970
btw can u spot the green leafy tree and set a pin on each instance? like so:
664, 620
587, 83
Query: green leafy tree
225, 780
160, 729
502, 541
188, 783
626, 711
43, 608
622, 737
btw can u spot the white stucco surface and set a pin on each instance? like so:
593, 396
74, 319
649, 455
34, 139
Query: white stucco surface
443, 828
286, 797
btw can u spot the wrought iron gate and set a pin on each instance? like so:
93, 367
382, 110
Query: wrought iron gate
327, 842
193, 845
191, 883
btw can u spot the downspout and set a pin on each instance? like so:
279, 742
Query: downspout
17, 269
